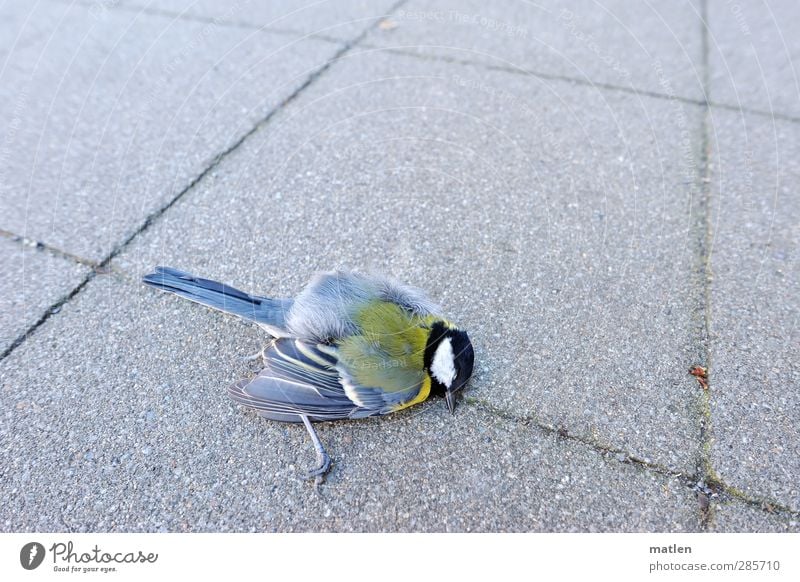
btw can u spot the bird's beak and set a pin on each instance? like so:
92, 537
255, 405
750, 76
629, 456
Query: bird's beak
450, 397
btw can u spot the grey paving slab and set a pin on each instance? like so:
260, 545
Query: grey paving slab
21, 24
344, 19
755, 55
33, 281
641, 45
739, 517
549, 219
756, 306
125, 426
105, 118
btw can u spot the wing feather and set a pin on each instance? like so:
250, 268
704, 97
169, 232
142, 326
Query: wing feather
295, 381
315, 380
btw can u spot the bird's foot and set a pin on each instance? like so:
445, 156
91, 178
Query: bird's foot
319, 472
323, 460
253, 357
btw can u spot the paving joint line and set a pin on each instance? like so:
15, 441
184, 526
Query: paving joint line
49, 312
517, 70
185, 16
104, 265
700, 230
563, 433
723, 490
749, 110
45, 247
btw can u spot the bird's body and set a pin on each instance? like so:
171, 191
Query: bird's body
348, 346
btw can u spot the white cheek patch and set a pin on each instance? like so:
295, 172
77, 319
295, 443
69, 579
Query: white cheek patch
443, 367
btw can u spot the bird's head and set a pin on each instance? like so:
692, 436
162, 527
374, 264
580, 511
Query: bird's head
448, 359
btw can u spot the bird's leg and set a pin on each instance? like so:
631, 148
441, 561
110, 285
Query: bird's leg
324, 461
257, 355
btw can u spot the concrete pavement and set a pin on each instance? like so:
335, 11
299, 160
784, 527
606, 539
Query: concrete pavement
583, 188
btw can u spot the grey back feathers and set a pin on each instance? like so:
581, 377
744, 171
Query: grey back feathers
324, 310
327, 306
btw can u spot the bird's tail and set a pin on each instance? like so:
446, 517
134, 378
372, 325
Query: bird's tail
269, 313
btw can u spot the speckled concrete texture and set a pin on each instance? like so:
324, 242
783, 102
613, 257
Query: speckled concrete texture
602, 194
341, 19
106, 118
739, 517
755, 405
34, 280
130, 439
638, 46
754, 54
545, 262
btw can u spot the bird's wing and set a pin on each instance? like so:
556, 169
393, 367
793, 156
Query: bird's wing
376, 381
298, 379
383, 366
327, 383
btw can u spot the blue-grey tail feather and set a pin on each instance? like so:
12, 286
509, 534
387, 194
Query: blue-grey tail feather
270, 313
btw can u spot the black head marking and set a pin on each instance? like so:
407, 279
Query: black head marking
463, 356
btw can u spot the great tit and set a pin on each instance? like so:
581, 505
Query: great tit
350, 345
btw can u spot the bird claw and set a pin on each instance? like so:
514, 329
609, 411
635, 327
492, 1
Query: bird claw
323, 460
318, 473
252, 357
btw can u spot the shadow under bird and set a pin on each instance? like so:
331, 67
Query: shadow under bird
348, 346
